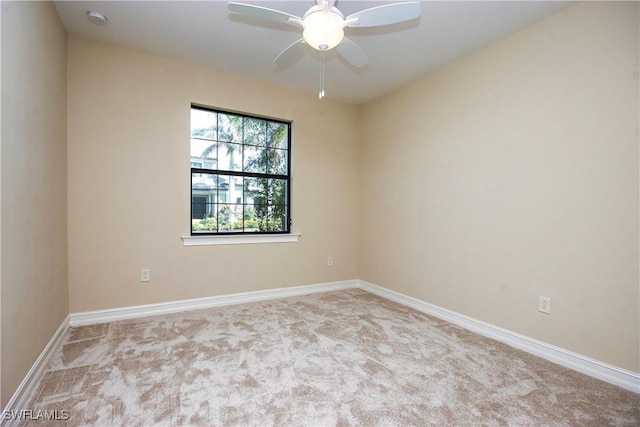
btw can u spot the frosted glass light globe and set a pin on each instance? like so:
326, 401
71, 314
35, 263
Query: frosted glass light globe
323, 30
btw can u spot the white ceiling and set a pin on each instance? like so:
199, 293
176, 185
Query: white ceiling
207, 34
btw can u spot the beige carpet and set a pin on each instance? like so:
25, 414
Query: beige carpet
338, 358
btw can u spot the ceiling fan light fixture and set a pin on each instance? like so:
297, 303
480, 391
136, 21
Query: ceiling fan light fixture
323, 30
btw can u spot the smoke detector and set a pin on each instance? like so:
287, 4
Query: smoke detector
97, 18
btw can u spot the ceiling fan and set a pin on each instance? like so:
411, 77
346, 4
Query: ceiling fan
323, 25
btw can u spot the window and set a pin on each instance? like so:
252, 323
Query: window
240, 173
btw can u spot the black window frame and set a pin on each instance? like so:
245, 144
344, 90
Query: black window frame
244, 174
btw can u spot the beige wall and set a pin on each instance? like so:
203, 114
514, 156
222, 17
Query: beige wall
34, 186
511, 174
129, 182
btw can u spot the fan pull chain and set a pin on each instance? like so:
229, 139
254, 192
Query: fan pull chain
321, 93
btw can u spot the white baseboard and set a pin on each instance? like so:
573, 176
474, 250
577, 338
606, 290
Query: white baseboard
603, 371
110, 315
18, 400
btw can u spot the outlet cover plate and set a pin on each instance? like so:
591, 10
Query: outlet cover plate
544, 305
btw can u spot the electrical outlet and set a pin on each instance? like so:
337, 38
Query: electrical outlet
544, 305
145, 275
330, 260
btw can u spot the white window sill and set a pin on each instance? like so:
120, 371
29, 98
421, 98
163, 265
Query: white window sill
239, 239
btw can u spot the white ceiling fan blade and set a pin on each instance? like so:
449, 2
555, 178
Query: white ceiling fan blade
384, 15
289, 52
352, 53
264, 13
